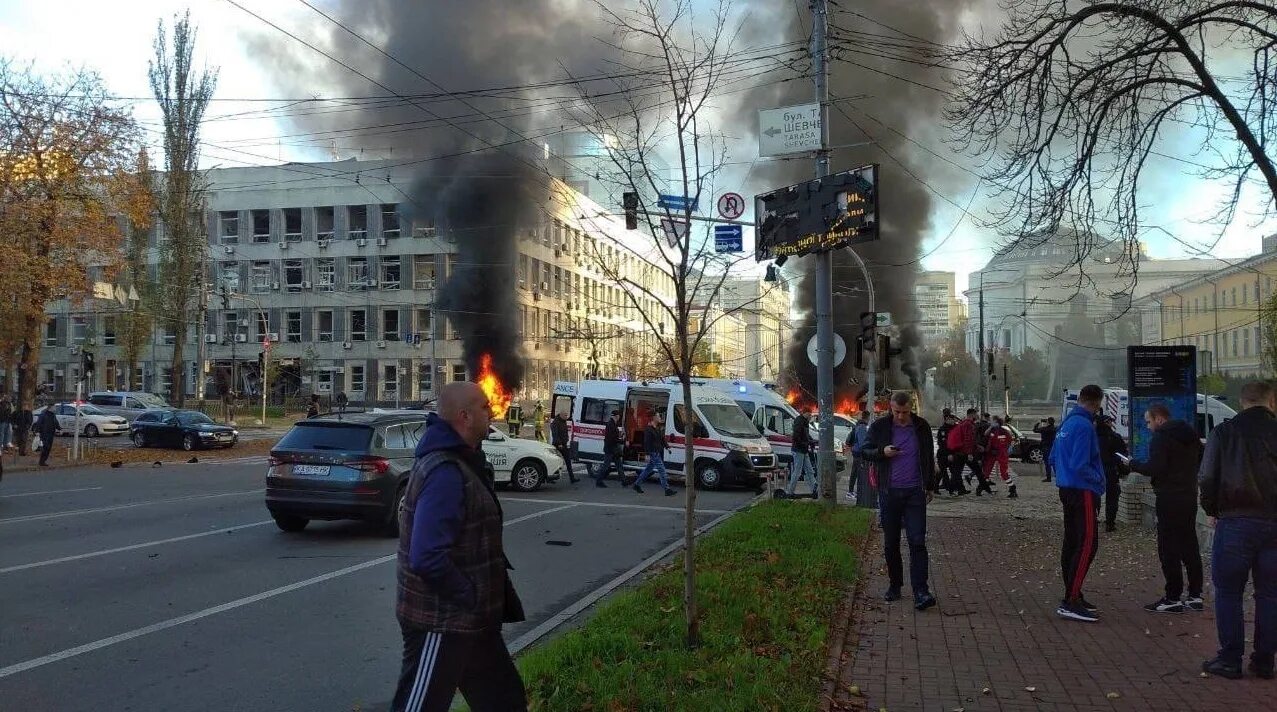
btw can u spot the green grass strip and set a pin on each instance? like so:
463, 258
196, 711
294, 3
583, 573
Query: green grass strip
768, 580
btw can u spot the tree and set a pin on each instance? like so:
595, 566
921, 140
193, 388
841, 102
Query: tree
1029, 376
1268, 345
635, 120
183, 95
1073, 99
67, 173
137, 324
956, 370
1211, 384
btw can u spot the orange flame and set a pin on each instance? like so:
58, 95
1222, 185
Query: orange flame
499, 398
792, 396
847, 405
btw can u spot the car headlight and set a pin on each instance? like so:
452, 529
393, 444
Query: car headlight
734, 447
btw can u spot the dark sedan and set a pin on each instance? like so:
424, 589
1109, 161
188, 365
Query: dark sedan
187, 429
1027, 446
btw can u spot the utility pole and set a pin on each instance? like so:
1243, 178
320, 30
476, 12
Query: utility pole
201, 348
827, 468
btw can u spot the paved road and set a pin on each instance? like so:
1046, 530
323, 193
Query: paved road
170, 588
122, 442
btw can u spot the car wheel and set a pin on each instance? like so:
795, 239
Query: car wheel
390, 525
188, 442
527, 475
139, 438
290, 523
90, 431
709, 476
1034, 455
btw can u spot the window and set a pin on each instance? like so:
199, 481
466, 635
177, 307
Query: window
294, 275
389, 273
458, 372
325, 274
1245, 342
292, 224
1259, 343
108, 331
324, 381
1245, 295
263, 327
357, 274
169, 334
324, 223
230, 325
1234, 296
261, 225
228, 227
324, 322
293, 327
425, 378
394, 438
357, 218
390, 379
358, 325
79, 330
390, 220
423, 272
390, 325
261, 277
596, 410
422, 326
357, 379
51, 332
1234, 343
228, 275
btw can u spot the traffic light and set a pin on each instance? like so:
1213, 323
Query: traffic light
86, 363
991, 365
629, 201
885, 353
869, 330
226, 296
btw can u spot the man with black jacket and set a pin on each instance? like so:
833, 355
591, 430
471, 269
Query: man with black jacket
1174, 452
559, 439
903, 449
1238, 483
802, 465
1111, 445
611, 451
655, 445
950, 481
1047, 431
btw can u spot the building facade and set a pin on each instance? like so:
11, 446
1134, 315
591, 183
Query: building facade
935, 294
319, 262
763, 311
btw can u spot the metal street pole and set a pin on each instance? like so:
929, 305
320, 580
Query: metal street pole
980, 364
862, 477
827, 467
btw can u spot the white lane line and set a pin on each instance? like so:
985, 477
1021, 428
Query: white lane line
618, 505
75, 512
62, 491
131, 547
228, 606
590, 598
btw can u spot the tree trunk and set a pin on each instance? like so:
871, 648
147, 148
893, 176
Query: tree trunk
689, 514
29, 361
177, 393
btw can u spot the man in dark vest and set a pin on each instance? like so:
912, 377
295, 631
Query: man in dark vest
454, 592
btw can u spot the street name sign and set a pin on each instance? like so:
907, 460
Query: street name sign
679, 203
790, 129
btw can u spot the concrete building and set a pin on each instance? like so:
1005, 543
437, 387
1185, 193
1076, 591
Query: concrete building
1221, 313
1033, 299
723, 342
935, 294
763, 309
324, 267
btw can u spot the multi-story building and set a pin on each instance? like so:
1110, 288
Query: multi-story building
320, 262
1221, 313
763, 309
723, 344
935, 294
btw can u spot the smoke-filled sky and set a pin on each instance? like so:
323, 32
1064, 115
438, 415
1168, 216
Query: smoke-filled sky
70, 33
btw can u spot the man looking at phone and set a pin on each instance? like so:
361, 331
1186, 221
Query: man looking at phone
903, 448
1174, 453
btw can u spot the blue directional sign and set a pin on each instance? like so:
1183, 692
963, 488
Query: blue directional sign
677, 202
727, 238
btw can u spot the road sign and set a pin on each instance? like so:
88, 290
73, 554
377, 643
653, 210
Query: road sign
727, 238
882, 319
679, 203
675, 230
818, 215
840, 350
731, 206
791, 129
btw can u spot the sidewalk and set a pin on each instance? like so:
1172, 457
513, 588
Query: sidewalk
995, 643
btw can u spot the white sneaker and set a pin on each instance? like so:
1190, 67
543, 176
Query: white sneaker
1194, 603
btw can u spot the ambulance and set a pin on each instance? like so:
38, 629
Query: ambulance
728, 447
1211, 410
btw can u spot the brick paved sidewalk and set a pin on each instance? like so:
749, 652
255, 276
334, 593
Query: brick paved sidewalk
994, 642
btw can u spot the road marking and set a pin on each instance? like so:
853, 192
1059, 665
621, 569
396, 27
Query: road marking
74, 512
620, 505
228, 606
131, 547
254, 459
62, 491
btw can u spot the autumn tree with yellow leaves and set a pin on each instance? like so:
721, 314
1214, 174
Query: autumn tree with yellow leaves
68, 183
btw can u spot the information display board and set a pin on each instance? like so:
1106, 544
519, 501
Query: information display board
1159, 374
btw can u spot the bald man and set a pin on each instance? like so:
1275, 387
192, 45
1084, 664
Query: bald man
454, 592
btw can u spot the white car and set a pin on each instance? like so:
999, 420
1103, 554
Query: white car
93, 421
524, 464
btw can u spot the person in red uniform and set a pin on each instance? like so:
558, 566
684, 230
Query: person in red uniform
998, 441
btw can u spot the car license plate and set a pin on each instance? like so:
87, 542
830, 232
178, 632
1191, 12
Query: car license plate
310, 469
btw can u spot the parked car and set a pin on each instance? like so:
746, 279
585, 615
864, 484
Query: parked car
93, 422
127, 404
187, 429
1027, 446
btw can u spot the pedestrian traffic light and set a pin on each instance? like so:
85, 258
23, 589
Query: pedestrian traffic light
869, 330
630, 202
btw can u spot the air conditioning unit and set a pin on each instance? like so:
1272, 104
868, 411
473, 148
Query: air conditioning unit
347, 345
59, 372
372, 283
427, 284
210, 338
545, 286
274, 286
283, 244
323, 244
75, 350
381, 344
241, 338
230, 249
274, 337
423, 231
361, 242
381, 242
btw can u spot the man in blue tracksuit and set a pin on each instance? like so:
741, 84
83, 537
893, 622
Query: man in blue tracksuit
1079, 474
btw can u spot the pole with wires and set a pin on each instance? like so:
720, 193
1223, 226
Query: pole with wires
827, 467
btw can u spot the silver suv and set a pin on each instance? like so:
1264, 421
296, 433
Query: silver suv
126, 404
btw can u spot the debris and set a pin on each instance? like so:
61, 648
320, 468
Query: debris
192, 461
986, 691
558, 542
1112, 695
157, 463
117, 464
1030, 689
